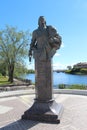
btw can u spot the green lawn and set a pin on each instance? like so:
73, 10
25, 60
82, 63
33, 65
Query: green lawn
4, 80
73, 86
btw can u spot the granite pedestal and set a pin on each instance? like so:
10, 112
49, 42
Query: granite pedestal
44, 108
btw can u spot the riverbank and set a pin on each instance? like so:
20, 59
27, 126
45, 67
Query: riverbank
18, 84
24, 84
77, 71
26, 87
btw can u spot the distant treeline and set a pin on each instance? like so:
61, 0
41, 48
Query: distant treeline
30, 71
81, 71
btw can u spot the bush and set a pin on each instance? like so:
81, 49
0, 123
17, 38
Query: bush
62, 86
83, 71
0, 74
77, 86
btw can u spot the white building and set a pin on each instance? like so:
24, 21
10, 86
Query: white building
80, 65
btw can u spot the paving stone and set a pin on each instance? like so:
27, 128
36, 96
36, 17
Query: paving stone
74, 116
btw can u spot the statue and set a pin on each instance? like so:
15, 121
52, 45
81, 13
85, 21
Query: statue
45, 41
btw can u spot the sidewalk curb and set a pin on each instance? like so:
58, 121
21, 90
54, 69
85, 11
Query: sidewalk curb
70, 91
32, 91
16, 93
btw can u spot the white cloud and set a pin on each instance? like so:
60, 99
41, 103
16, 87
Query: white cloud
31, 65
62, 45
60, 66
57, 54
57, 66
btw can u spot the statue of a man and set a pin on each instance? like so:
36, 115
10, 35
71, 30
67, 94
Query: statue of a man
45, 41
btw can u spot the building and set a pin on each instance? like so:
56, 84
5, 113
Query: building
80, 65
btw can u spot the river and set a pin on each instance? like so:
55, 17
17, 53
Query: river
62, 78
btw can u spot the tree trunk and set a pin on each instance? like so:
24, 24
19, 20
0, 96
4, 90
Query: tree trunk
10, 72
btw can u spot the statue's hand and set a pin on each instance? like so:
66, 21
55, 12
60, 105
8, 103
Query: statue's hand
30, 53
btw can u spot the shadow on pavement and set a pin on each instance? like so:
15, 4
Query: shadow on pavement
20, 125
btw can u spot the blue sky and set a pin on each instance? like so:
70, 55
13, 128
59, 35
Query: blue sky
69, 17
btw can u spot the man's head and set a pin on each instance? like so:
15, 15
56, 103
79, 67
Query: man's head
42, 21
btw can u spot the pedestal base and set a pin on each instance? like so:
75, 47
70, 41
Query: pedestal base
44, 111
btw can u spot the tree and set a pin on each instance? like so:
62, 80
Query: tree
69, 67
2, 69
20, 69
13, 48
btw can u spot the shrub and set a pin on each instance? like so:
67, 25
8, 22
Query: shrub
0, 74
83, 70
77, 86
62, 86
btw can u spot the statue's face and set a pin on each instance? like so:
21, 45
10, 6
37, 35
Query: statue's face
42, 22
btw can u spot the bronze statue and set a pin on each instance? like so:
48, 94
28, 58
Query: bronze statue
45, 41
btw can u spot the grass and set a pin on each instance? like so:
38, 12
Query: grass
4, 80
83, 87
73, 86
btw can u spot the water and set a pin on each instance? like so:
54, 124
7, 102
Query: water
62, 78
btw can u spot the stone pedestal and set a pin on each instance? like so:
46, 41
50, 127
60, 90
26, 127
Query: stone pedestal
43, 80
44, 108
44, 111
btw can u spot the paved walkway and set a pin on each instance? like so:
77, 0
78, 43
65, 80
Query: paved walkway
11, 108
